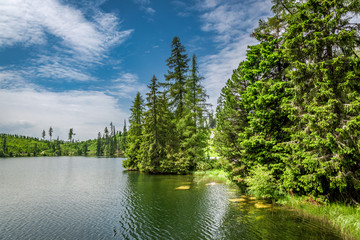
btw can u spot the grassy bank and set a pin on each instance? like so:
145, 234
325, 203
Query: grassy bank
216, 174
345, 218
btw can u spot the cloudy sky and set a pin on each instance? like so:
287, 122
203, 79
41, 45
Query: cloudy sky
79, 63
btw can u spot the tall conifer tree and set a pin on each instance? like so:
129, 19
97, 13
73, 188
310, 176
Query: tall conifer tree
321, 45
135, 133
176, 77
99, 145
151, 151
195, 132
50, 132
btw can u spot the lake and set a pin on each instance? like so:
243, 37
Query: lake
95, 198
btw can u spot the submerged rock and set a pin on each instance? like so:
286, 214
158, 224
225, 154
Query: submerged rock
262, 205
235, 200
211, 184
183, 188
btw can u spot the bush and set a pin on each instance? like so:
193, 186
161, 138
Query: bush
203, 166
261, 183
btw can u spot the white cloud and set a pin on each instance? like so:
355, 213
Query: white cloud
149, 10
209, 3
127, 78
64, 67
145, 6
231, 23
28, 21
127, 85
80, 42
219, 67
86, 112
27, 109
142, 2
11, 79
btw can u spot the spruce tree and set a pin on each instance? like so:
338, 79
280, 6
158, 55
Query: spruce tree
321, 46
231, 116
291, 109
263, 139
151, 152
135, 132
99, 145
196, 95
176, 77
124, 138
106, 142
50, 132
195, 132
112, 140
71, 134
168, 138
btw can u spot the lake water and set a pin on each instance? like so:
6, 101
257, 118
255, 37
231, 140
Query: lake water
95, 198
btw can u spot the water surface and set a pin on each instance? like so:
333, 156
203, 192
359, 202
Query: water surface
94, 198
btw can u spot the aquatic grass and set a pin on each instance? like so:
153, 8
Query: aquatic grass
344, 217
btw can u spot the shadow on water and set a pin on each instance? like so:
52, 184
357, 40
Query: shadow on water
188, 207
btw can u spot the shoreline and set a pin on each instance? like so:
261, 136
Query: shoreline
346, 219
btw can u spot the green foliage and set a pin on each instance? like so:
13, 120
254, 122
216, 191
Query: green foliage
262, 183
176, 77
171, 135
151, 151
99, 150
325, 106
135, 133
293, 105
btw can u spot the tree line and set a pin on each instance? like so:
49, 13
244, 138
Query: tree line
288, 119
109, 144
169, 131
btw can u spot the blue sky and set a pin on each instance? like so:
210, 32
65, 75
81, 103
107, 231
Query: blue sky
78, 64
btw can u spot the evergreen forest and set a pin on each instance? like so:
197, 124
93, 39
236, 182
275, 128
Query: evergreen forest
169, 130
288, 119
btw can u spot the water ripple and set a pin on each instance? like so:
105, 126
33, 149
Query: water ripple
93, 198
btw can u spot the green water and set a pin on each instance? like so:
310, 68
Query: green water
94, 198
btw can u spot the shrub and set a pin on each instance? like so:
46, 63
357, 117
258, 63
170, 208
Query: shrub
261, 183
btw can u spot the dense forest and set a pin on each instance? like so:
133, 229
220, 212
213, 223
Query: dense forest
169, 132
288, 118
110, 144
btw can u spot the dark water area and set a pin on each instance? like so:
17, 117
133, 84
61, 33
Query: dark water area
95, 198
